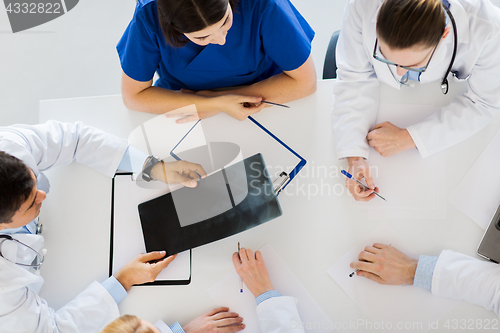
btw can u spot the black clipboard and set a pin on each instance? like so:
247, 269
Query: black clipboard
112, 237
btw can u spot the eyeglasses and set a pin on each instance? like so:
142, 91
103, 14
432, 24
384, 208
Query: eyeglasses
382, 59
19, 253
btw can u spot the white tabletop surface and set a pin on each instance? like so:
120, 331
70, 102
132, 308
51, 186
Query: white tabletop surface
313, 233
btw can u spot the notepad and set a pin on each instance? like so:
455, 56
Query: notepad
128, 240
226, 292
390, 304
413, 186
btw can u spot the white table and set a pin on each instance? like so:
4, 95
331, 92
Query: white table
312, 234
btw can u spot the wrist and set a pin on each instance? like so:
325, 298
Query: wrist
158, 172
411, 271
209, 104
353, 159
409, 143
262, 290
148, 166
122, 278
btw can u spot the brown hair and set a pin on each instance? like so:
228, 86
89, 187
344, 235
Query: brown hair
126, 324
16, 186
406, 23
177, 17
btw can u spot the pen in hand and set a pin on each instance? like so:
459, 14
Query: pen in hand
272, 103
247, 105
348, 175
241, 281
354, 273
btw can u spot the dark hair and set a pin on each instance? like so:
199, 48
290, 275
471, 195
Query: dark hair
177, 17
405, 23
16, 185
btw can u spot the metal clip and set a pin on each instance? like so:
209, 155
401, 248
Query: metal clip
278, 189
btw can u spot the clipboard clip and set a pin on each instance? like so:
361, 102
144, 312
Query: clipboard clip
284, 177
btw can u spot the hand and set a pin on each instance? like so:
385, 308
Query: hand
239, 106
388, 139
385, 265
217, 320
182, 172
359, 169
252, 271
139, 270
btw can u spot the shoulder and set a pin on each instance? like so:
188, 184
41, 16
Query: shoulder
146, 3
366, 5
364, 10
478, 21
479, 12
147, 11
261, 6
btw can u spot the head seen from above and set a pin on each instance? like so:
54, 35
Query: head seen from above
20, 200
130, 324
409, 32
202, 22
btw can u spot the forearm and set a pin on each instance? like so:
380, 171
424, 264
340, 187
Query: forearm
451, 124
462, 277
55, 143
279, 314
280, 88
160, 100
355, 108
24, 311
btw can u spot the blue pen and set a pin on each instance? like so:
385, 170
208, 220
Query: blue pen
348, 175
241, 281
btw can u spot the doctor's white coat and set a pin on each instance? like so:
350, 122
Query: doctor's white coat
356, 90
42, 147
462, 277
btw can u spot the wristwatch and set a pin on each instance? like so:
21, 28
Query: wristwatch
146, 170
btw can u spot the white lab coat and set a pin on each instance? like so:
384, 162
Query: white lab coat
275, 315
42, 147
462, 277
279, 315
356, 90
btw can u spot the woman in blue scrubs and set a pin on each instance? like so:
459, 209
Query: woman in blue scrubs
249, 50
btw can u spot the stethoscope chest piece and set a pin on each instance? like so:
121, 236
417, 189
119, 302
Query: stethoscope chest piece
444, 86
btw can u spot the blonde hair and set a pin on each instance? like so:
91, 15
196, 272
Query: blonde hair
126, 324
405, 23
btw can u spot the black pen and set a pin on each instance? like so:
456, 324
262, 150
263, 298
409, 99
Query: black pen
282, 105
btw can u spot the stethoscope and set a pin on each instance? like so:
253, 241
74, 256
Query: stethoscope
444, 83
36, 263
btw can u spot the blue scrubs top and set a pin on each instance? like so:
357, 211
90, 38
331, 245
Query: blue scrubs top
267, 37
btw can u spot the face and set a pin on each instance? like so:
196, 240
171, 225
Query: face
416, 56
214, 34
29, 209
146, 324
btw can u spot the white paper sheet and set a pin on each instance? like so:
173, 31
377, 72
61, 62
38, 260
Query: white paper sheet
158, 136
414, 187
226, 292
412, 307
478, 193
128, 240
